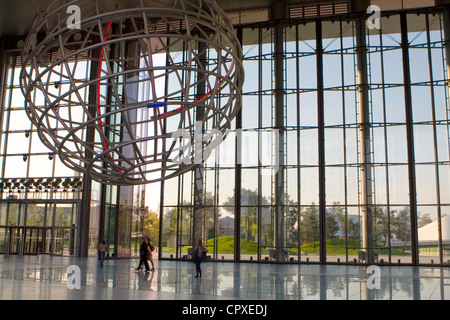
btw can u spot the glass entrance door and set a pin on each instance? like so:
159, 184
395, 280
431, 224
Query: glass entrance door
34, 241
58, 242
15, 240
64, 241
3, 239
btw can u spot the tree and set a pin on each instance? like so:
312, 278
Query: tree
347, 224
380, 225
170, 224
151, 225
332, 225
249, 215
424, 219
401, 226
309, 225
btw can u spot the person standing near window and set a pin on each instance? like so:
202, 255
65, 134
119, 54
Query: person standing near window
199, 255
102, 249
150, 254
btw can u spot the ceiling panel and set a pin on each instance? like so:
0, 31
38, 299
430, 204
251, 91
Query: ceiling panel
17, 16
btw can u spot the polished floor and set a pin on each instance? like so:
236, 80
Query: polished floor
48, 278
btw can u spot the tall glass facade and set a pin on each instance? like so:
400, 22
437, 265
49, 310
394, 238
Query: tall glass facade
45, 207
340, 153
40, 197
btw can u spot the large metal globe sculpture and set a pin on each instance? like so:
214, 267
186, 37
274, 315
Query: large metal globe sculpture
131, 92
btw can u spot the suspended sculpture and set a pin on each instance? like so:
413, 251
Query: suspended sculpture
132, 92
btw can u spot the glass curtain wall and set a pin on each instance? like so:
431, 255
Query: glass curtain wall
197, 193
123, 205
347, 160
43, 208
39, 196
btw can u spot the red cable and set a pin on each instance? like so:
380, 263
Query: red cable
98, 93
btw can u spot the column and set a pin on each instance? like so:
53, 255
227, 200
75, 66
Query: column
364, 139
199, 211
84, 208
278, 13
321, 143
280, 196
410, 140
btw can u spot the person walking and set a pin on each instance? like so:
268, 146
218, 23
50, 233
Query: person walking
102, 249
150, 254
143, 250
199, 255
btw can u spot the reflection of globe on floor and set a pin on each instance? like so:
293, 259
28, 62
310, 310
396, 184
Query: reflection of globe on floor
110, 85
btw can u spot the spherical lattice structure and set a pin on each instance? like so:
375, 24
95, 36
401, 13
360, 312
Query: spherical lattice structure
131, 92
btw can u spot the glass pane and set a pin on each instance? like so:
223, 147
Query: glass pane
334, 146
398, 185
333, 112
428, 234
169, 233
17, 143
336, 245
418, 57
424, 143
401, 232
35, 215
249, 148
226, 233
249, 226
267, 240
395, 105
250, 111
309, 147
309, 186
335, 188
444, 183
309, 234
249, 190
3, 213
170, 194
63, 215
426, 184
393, 65
37, 146
292, 186
19, 120
352, 176
421, 103
445, 214
443, 142
379, 145
397, 144
185, 226
308, 109
40, 166
226, 187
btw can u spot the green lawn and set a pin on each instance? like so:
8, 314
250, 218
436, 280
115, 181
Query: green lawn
334, 246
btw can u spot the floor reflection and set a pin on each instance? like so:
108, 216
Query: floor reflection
223, 280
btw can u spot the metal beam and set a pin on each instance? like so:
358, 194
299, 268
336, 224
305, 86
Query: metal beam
321, 143
199, 171
238, 177
410, 139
